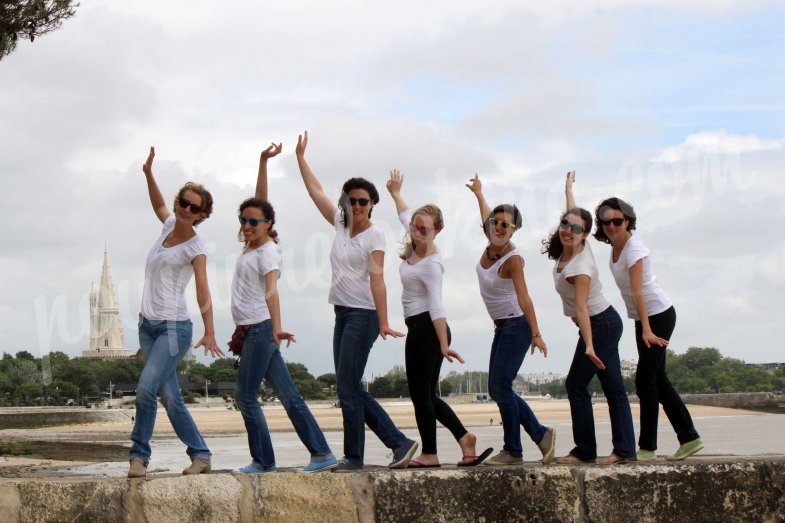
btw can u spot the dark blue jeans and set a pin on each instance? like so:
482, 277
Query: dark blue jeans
653, 386
353, 336
606, 329
261, 358
163, 343
510, 343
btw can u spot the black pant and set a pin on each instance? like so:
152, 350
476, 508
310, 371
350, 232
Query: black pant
423, 364
653, 386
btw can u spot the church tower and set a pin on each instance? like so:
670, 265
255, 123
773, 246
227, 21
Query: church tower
106, 328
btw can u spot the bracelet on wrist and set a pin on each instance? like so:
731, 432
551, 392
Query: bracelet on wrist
537, 335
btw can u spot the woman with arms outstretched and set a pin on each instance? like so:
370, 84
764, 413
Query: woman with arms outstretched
256, 311
165, 328
428, 339
506, 297
359, 297
576, 279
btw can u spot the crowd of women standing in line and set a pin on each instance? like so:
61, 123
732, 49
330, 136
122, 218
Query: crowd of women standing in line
359, 298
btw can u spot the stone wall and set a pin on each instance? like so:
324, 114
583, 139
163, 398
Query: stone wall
698, 490
762, 401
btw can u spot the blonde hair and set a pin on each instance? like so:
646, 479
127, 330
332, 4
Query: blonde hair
428, 209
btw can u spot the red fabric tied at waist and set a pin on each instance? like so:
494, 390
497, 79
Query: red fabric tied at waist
238, 337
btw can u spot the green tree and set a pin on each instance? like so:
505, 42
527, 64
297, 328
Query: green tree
221, 369
28, 19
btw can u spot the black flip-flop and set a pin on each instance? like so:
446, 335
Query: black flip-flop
477, 459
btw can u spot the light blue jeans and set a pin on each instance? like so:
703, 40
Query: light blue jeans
353, 336
164, 344
261, 358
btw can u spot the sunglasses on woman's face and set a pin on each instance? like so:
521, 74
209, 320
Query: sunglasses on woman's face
422, 231
362, 201
184, 203
253, 222
615, 221
576, 227
505, 225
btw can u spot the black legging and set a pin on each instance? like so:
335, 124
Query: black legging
654, 388
423, 364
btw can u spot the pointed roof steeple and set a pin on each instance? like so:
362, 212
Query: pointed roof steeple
106, 297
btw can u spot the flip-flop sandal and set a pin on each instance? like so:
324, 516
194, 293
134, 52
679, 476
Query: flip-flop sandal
414, 464
475, 460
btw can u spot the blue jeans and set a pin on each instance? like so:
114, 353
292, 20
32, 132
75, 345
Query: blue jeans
606, 329
353, 336
511, 340
261, 358
164, 344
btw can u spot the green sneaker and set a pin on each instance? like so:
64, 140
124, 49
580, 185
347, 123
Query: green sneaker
646, 455
687, 450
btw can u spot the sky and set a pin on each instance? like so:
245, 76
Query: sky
678, 109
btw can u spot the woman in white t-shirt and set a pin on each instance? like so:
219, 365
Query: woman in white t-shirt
500, 272
655, 320
428, 339
576, 279
165, 328
256, 311
359, 297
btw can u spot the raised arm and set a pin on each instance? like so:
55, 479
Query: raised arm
261, 178
156, 198
568, 190
475, 186
394, 185
326, 207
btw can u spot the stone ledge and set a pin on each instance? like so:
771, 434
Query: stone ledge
699, 490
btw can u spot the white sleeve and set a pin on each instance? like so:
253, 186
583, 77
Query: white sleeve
270, 260
635, 251
376, 241
406, 218
432, 278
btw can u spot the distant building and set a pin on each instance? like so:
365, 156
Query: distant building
106, 327
768, 367
543, 378
628, 368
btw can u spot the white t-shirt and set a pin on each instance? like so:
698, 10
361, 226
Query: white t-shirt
249, 305
422, 282
582, 263
656, 299
166, 274
349, 258
498, 293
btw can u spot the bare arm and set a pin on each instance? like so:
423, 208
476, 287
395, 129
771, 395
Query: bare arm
394, 185
261, 178
379, 292
205, 307
582, 283
636, 283
274, 306
475, 186
156, 198
568, 190
326, 207
440, 326
515, 267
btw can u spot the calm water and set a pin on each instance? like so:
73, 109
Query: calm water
743, 435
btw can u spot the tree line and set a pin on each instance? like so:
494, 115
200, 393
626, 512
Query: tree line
57, 379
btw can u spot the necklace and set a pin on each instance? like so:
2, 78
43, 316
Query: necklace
498, 255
